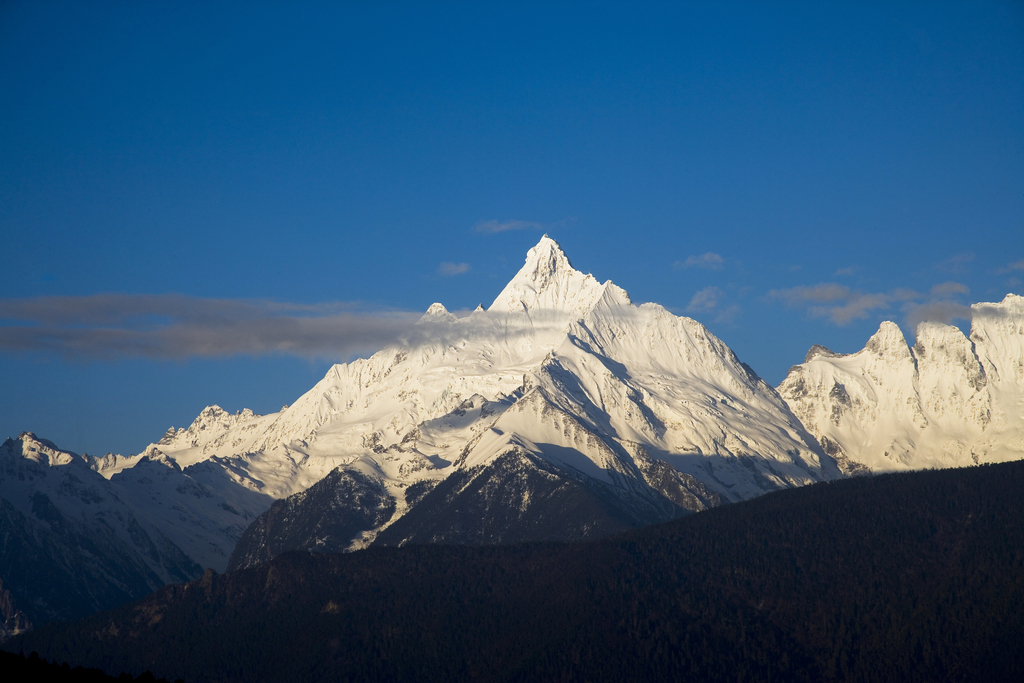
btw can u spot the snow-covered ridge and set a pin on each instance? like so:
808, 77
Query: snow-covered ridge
197, 515
58, 491
644, 381
949, 401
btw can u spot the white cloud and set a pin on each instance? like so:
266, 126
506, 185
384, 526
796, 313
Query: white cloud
493, 226
447, 268
705, 300
708, 261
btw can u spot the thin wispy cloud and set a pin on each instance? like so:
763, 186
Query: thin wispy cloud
448, 269
705, 300
1010, 267
842, 305
956, 265
494, 226
936, 312
708, 261
846, 272
823, 293
110, 326
940, 307
946, 289
831, 300
728, 314
713, 301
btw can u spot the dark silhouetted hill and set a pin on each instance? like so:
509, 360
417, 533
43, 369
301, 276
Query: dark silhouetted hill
908, 577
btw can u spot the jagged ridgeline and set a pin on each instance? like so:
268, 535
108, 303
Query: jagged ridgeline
949, 401
910, 577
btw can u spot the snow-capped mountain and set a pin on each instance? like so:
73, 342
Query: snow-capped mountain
71, 543
81, 533
561, 411
950, 401
626, 411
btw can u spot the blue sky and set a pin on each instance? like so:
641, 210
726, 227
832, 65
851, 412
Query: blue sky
211, 202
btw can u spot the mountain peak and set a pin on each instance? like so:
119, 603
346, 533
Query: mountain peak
889, 342
544, 263
437, 313
547, 282
42, 451
823, 351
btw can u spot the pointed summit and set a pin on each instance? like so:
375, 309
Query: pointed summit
889, 342
545, 261
437, 313
547, 284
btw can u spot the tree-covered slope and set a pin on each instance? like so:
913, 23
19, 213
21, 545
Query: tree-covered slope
904, 577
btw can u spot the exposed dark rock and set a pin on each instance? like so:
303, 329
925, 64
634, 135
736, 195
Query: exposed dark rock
326, 517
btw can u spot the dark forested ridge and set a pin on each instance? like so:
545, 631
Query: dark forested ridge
909, 577
17, 668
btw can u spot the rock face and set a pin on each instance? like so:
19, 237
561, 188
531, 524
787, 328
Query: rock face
950, 401
561, 411
325, 517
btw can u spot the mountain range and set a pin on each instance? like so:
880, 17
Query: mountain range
562, 411
949, 401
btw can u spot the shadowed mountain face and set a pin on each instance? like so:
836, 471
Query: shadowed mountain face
69, 542
519, 497
325, 517
908, 577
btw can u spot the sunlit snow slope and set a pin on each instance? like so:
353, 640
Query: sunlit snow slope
950, 401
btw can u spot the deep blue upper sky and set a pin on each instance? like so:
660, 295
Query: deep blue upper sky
786, 175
